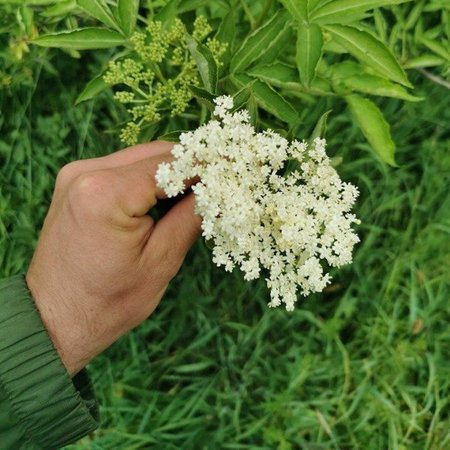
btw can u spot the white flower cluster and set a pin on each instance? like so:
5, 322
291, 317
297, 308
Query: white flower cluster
258, 214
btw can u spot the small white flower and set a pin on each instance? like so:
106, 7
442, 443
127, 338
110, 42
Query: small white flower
258, 219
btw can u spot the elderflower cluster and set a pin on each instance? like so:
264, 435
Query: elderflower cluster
260, 215
158, 74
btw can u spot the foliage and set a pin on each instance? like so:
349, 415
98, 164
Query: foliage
344, 50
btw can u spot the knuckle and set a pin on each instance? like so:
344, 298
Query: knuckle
91, 189
68, 173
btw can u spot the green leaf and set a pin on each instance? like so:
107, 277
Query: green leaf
203, 96
81, 39
374, 85
351, 76
321, 127
268, 98
414, 15
206, 64
99, 10
298, 9
190, 5
257, 43
374, 127
338, 10
168, 12
60, 9
227, 33
241, 97
283, 40
172, 136
252, 108
277, 74
370, 51
127, 11
30, 2
25, 18
436, 47
381, 24
309, 51
286, 77
92, 89
314, 4
427, 60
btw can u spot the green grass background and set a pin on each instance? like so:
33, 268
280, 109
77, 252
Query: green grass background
365, 365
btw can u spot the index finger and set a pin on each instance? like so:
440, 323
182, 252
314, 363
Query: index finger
137, 190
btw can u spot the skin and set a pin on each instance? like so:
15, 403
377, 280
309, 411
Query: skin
102, 263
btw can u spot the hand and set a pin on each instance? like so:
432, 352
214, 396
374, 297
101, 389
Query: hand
102, 264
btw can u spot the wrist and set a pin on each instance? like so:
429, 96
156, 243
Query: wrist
62, 326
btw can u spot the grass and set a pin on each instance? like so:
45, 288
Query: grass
364, 365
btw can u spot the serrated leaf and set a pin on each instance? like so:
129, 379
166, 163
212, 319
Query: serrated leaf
98, 9
370, 51
92, 89
309, 51
257, 43
286, 77
374, 85
203, 96
374, 127
81, 39
337, 10
298, 9
206, 64
268, 98
321, 127
351, 75
283, 40
276, 73
242, 96
127, 11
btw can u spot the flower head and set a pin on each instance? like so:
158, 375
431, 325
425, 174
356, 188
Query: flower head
290, 224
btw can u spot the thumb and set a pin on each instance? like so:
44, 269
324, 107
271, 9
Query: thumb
173, 235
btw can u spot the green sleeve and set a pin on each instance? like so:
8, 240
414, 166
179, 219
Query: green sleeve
41, 407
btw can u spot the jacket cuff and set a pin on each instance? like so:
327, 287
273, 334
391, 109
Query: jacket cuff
53, 409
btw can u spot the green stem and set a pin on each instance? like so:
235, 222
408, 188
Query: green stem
158, 73
141, 92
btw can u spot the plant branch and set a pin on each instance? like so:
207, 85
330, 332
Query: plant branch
436, 79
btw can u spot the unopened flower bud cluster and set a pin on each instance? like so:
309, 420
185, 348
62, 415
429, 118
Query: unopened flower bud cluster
156, 77
286, 225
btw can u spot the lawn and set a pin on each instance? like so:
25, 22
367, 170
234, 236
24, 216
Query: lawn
362, 366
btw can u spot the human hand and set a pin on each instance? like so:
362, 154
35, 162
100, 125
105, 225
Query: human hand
102, 264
